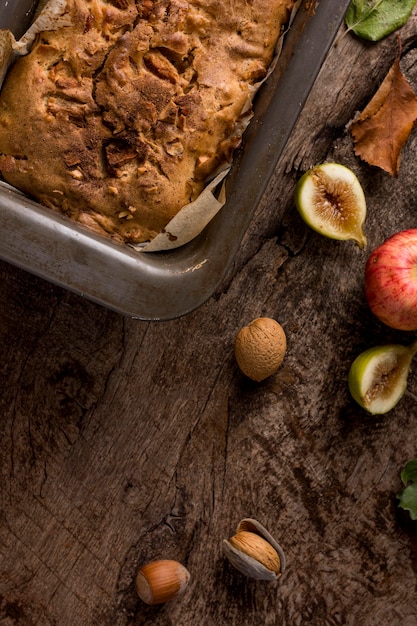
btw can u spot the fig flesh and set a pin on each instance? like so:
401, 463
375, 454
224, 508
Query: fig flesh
378, 377
330, 199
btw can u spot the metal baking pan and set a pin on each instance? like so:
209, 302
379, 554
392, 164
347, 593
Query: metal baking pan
166, 285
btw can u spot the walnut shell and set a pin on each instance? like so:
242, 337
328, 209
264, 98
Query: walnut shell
260, 348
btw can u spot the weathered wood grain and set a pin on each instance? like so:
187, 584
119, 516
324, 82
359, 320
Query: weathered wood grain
124, 441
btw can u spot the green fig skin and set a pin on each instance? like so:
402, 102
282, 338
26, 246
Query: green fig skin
330, 199
378, 397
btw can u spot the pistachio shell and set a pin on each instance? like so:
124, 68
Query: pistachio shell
268, 564
246, 564
254, 526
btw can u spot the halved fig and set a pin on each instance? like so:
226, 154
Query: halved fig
377, 378
330, 199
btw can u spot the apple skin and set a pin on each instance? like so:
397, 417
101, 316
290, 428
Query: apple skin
391, 281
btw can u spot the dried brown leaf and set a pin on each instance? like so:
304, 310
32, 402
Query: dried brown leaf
385, 124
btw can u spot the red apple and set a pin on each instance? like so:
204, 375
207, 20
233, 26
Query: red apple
391, 281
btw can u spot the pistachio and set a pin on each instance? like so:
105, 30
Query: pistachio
258, 548
160, 581
254, 552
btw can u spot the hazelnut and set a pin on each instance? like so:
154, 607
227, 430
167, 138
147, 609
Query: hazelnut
161, 581
260, 348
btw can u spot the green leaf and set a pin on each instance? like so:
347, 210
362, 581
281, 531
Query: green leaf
409, 473
408, 496
408, 500
375, 19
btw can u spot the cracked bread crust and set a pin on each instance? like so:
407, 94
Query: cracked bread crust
118, 120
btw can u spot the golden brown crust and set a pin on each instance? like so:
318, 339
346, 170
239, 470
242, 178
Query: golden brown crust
118, 120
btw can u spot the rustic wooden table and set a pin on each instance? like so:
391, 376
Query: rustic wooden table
123, 441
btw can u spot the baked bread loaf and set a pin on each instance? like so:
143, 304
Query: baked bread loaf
119, 119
